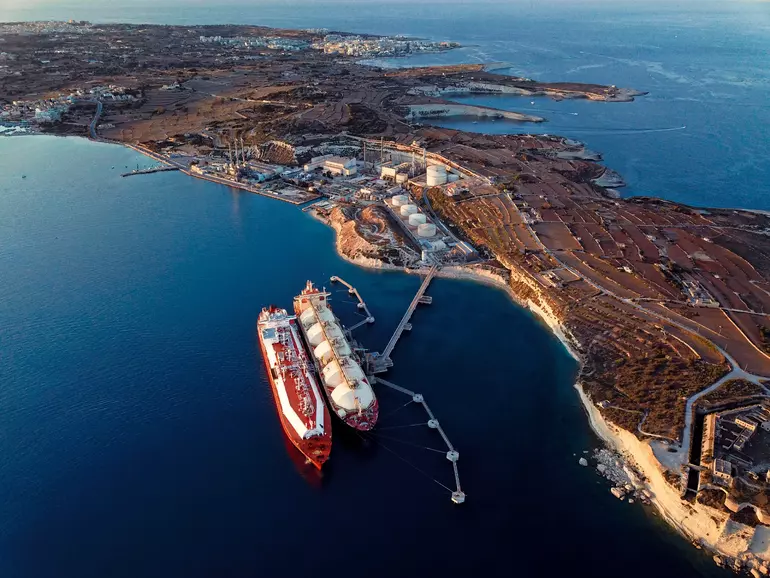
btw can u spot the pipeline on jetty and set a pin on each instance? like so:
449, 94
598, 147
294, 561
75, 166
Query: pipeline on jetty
361, 303
404, 324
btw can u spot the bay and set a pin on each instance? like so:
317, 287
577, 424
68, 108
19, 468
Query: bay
139, 436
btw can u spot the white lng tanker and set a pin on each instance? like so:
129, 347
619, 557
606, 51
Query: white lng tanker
347, 389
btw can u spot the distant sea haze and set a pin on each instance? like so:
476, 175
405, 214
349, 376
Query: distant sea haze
699, 137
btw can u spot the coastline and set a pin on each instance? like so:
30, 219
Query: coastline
706, 527
703, 526
733, 544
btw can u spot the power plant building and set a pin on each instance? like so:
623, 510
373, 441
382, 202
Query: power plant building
341, 166
333, 164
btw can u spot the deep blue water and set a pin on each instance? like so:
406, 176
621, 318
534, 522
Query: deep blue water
138, 435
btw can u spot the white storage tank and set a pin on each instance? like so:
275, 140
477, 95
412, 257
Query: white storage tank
436, 246
407, 210
426, 230
400, 200
417, 219
436, 175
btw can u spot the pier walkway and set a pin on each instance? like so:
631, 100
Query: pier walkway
404, 323
361, 303
151, 170
458, 496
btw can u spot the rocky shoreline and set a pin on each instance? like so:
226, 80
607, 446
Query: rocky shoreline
629, 464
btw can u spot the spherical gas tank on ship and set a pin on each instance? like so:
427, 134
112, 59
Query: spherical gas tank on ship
426, 230
417, 219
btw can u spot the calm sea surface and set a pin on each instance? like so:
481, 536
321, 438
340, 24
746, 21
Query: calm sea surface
138, 436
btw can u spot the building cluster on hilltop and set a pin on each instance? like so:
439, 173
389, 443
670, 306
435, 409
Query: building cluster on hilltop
51, 110
47, 27
385, 46
271, 42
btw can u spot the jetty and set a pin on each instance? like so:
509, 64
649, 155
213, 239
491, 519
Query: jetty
149, 171
458, 496
404, 324
361, 303
379, 363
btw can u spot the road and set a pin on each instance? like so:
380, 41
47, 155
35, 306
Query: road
92, 126
735, 373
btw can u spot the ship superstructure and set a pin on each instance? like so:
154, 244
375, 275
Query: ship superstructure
348, 390
304, 415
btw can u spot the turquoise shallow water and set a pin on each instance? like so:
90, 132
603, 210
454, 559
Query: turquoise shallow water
139, 436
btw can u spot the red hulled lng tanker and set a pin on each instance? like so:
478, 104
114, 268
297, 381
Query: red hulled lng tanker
304, 415
346, 387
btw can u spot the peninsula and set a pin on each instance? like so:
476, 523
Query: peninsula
665, 306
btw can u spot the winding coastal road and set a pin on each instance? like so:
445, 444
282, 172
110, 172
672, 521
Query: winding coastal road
97, 115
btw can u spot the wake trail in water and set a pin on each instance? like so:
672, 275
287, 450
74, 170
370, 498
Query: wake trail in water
600, 131
551, 111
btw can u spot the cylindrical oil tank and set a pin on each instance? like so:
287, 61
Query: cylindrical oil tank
400, 200
426, 230
407, 210
436, 175
451, 178
417, 219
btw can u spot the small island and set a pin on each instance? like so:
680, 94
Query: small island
665, 306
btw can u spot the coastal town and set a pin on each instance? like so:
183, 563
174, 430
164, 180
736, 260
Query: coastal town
667, 307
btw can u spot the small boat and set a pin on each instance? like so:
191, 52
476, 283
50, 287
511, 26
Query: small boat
23, 176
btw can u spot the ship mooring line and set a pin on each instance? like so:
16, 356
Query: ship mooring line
424, 473
409, 443
403, 426
396, 410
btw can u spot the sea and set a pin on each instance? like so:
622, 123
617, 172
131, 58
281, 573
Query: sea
138, 436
